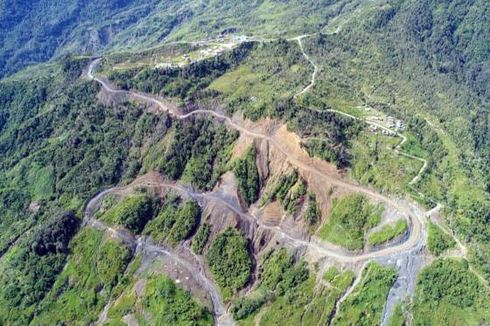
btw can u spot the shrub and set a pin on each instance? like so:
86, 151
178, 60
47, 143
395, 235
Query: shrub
438, 241
248, 176
201, 238
133, 212
229, 260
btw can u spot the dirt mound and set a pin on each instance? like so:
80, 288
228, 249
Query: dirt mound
272, 214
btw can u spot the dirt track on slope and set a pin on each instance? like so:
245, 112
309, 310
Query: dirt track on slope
287, 145
304, 162
183, 262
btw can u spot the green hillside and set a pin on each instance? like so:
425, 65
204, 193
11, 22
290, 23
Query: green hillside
173, 199
38, 30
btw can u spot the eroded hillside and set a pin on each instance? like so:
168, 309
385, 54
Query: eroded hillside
254, 176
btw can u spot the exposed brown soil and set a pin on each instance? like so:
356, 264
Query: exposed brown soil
278, 153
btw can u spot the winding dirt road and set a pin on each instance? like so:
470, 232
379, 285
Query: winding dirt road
315, 67
416, 216
146, 245
417, 220
370, 122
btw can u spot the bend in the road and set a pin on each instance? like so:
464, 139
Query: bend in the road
307, 57
417, 222
147, 246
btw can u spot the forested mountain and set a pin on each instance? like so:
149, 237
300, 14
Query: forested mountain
446, 39
35, 31
199, 162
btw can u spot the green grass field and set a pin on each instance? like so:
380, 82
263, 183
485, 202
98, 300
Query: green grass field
160, 302
375, 163
388, 232
398, 316
83, 288
438, 241
309, 303
348, 220
365, 305
272, 72
448, 293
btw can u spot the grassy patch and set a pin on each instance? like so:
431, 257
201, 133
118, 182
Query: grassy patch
365, 305
448, 293
324, 299
229, 261
93, 269
375, 163
348, 220
38, 180
480, 259
413, 146
280, 272
289, 294
398, 316
388, 232
289, 309
244, 308
280, 275
161, 302
166, 304
272, 72
176, 221
308, 303
133, 212
438, 241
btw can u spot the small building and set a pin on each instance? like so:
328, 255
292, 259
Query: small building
399, 125
218, 51
165, 65
373, 128
390, 122
388, 133
240, 38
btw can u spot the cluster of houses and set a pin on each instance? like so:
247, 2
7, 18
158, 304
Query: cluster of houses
375, 129
227, 44
394, 125
397, 124
165, 65
234, 38
212, 52
388, 132
391, 123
